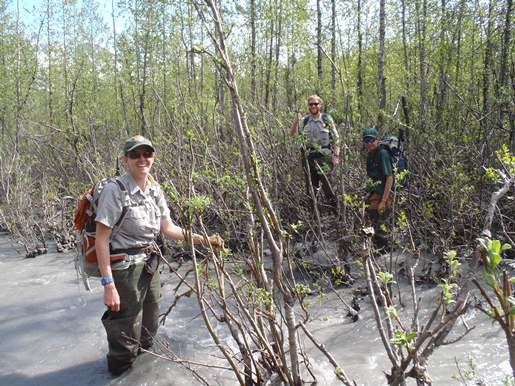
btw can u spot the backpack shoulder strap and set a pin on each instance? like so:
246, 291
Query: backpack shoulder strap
305, 121
125, 202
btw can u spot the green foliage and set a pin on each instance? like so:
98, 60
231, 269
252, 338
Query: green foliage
302, 289
392, 312
404, 339
402, 220
454, 264
352, 200
197, 205
385, 278
507, 161
212, 283
493, 250
264, 298
447, 291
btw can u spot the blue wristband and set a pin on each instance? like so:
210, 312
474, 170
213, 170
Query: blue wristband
107, 280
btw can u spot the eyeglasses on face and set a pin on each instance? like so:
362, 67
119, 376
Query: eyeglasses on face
135, 154
369, 140
313, 104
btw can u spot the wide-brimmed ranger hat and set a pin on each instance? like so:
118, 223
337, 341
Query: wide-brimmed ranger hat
369, 132
137, 141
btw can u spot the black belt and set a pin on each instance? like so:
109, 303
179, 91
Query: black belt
310, 148
145, 249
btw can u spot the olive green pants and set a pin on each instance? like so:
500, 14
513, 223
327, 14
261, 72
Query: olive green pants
135, 325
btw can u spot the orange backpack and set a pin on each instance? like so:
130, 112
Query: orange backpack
85, 224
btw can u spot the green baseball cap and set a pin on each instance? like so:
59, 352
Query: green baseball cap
370, 132
137, 141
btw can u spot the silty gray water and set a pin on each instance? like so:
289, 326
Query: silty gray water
51, 335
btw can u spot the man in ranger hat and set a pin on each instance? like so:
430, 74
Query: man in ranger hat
320, 150
380, 171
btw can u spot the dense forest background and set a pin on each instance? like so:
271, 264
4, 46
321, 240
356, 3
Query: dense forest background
77, 78
216, 86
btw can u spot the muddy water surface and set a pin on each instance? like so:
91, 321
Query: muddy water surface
51, 335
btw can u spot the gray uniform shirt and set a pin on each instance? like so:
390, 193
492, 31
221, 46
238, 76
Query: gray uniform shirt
142, 222
320, 132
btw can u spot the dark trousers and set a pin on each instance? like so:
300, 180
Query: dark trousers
377, 220
318, 167
135, 325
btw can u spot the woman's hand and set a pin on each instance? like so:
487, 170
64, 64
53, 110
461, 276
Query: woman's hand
111, 297
216, 242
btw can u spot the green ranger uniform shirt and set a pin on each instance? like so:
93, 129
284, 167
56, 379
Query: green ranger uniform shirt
320, 132
142, 222
379, 166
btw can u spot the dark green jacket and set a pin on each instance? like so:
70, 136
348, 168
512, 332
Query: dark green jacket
379, 166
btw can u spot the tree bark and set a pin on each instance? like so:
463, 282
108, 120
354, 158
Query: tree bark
421, 19
359, 82
333, 49
270, 59
253, 50
405, 46
381, 81
17, 117
319, 41
506, 107
277, 52
50, 94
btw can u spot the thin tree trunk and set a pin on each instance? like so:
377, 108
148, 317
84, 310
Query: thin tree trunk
319, 42
117, 85
381, 81
421, 19
333, 49
262, 204
164, 56
17, 117
3, 73
405, 46
444, 51
270, 59
50, 94
253, 50
458, 43
277, 52
359, 83
486, 71
506, 107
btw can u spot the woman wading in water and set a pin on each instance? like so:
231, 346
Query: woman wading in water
136, 205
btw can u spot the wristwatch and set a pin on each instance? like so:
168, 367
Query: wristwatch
106, 280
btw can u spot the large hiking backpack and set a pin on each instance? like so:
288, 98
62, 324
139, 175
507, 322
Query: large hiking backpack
395, 146
85, 216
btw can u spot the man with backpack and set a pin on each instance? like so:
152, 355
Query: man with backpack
320, 147
380, 171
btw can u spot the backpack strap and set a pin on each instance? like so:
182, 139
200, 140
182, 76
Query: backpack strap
126, 200
305, 121
325, 118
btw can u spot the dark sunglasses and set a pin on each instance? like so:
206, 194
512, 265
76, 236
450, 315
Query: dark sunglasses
135, 154
369, 140
314, 104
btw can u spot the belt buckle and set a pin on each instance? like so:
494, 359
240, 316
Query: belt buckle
147, 250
